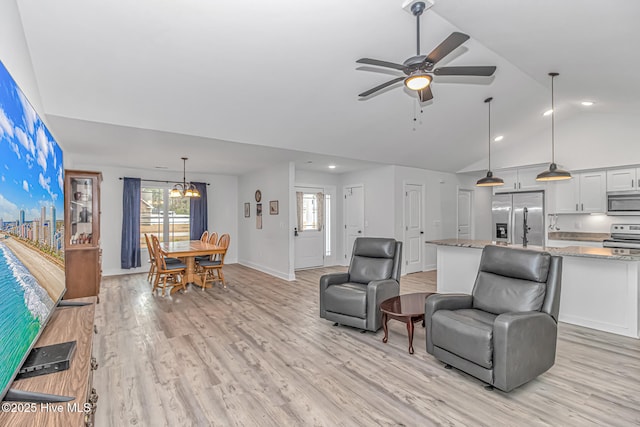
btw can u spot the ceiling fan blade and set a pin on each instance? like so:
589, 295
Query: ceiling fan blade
446, 47
465, 71
382, 86
370, 61
425, 94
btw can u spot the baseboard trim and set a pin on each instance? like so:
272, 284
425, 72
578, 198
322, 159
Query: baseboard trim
267, 270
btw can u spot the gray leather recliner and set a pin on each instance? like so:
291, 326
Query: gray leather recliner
505, 332
354, 298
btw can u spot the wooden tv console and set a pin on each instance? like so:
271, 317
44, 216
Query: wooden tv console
66, 324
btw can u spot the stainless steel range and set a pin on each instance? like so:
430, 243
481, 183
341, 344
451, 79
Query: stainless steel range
626, 236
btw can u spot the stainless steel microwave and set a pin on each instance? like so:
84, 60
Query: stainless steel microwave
623, 204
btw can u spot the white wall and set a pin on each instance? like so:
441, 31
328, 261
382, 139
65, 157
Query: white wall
586, 141
379, 209
15, 55
440, 205
271, 248
222, 208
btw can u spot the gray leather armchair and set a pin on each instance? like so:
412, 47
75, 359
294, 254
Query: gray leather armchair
354, 298
505, 332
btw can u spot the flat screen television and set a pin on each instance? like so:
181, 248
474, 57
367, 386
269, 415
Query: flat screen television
31, 228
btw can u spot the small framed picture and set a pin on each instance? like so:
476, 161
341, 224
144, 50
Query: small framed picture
258, 209
247, 210
273, 207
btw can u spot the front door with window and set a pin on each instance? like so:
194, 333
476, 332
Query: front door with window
310, 230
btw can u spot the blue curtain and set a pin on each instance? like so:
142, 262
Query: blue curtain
198, 211
130, 246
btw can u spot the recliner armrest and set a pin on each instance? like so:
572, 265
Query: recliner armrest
443, 302
328, 280
378, 291
524, 346
333, 279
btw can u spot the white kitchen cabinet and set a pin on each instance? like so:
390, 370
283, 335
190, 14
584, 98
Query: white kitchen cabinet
567, 193
584, 193
623, 179
521, 179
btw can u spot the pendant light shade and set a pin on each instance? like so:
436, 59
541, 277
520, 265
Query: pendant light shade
489, 180
553, 173
184, 189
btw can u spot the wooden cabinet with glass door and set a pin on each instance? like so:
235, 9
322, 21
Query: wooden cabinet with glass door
83, 264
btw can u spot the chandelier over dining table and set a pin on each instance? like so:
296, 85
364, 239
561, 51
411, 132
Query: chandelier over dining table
184, 189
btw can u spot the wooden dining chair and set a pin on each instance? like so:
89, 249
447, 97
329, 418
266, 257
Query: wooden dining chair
205, 236
172, 273
152, 259
213, 240
212, 269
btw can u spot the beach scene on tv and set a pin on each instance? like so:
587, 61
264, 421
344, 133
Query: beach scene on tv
31, 227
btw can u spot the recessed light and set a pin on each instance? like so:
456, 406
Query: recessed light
547, 113
332, 166
498, 138
587, 103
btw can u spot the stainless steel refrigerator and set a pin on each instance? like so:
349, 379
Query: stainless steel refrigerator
509, 211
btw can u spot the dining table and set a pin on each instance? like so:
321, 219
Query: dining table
188, 250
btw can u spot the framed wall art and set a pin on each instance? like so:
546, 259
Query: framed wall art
273, 207
247, 210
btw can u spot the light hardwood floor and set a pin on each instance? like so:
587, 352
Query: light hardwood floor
258, 354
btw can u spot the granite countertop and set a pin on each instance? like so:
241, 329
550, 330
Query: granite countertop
578, 236
577, 251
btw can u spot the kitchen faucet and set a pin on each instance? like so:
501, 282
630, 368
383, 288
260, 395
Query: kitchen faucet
525, 226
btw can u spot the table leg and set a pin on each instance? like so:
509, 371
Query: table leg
410, 332
385, 318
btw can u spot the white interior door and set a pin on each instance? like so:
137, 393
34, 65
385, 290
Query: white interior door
353, 218
464, 214
309, 240
413, 228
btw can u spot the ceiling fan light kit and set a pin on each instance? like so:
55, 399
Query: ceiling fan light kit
553, 173
417, 81
489, 180
420, 69
184, 189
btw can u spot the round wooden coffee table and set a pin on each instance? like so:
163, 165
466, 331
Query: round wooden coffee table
408, 308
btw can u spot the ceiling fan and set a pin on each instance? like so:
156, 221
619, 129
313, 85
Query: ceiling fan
419, 69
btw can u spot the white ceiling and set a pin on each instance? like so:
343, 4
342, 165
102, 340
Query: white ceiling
236, 85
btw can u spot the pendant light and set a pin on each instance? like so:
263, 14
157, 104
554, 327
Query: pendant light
553, 173
186, 189
489, 180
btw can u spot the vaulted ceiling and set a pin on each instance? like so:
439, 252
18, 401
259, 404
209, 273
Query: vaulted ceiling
235, 84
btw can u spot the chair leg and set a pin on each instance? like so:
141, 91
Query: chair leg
221, 277
156, 282
164, 285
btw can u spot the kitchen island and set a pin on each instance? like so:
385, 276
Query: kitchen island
599, 285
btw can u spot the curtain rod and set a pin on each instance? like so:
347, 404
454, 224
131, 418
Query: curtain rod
159, 180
